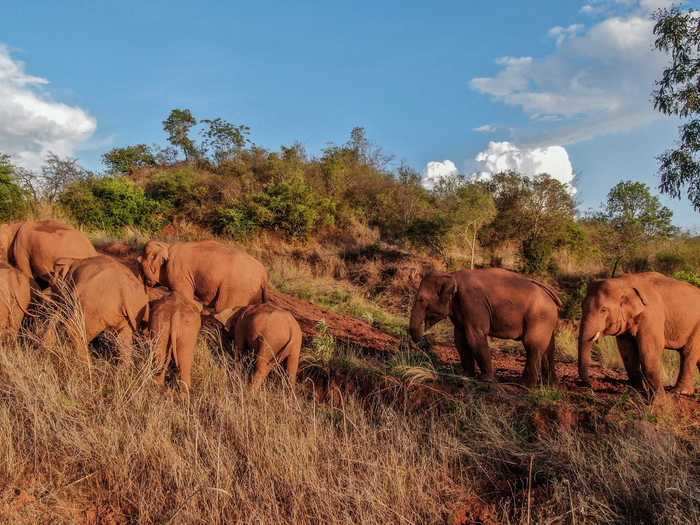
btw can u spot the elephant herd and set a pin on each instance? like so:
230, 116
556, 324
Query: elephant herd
646, 312
175, 285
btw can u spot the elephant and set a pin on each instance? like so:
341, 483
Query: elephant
491, 302
34, 246
15, 296
272, 333
174, 323
111, 297
646, 312
218, 276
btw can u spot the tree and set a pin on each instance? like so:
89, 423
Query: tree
177, 126
57, 173
678, 93
469, 207
13, 199
633, 216
128, 159
222, 139
536, 212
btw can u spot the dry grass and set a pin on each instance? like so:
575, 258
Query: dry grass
84, 445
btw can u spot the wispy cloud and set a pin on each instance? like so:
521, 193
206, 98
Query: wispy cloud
597, 80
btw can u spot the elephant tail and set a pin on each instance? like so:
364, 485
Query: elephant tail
172, 343
264, 296
554, 296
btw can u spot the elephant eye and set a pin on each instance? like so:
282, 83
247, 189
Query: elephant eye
603, 309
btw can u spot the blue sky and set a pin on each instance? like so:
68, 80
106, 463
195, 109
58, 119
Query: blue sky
419, 76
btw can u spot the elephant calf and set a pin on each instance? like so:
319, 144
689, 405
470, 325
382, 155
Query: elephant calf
491, 302
175, 322
110, 295
15, 296
272, 333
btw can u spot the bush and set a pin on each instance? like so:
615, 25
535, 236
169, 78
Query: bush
670, 263
291, 207
110, 203
235, 222
14, 201
688, 276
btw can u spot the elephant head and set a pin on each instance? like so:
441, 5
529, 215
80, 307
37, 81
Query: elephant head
155, 256
607, 309
432, 303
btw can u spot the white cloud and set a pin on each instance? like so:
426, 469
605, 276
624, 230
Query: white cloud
505, 156
596, 81
31, 123
486, 128
560, 34
436, 170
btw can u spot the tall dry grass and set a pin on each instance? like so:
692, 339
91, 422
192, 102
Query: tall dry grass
93, 444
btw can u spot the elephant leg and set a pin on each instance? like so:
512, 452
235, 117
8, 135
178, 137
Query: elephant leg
465, 353
185, 356
549, 371
650, 350
479, 344
125, 345
538, 341
162, 357
265, 359
690, 360
627, 345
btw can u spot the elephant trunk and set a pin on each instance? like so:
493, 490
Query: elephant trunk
587, 336
417, 324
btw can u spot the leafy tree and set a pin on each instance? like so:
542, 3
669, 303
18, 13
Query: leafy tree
58, 173
678, 93
14, 203
222, 139
633, 216
536, 212
178, 126
129, 159
468, 208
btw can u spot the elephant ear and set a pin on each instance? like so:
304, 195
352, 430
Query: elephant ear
633, 303
448, 289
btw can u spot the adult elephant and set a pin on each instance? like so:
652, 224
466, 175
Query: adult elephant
221, 277
110, 295
34, 246
491, 302
646, 312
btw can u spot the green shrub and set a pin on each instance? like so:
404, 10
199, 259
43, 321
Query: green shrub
688, 276
670, 263
14, 201
110, 203
291, 207
235, 222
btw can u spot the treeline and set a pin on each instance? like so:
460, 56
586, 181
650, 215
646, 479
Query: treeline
212, 175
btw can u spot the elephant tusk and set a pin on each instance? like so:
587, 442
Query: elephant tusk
596, 337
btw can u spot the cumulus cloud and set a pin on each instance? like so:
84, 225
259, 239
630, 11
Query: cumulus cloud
505, 156
31, 123
436, 170
597, 80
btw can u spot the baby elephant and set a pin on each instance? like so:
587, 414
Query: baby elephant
272, 333
175, 322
